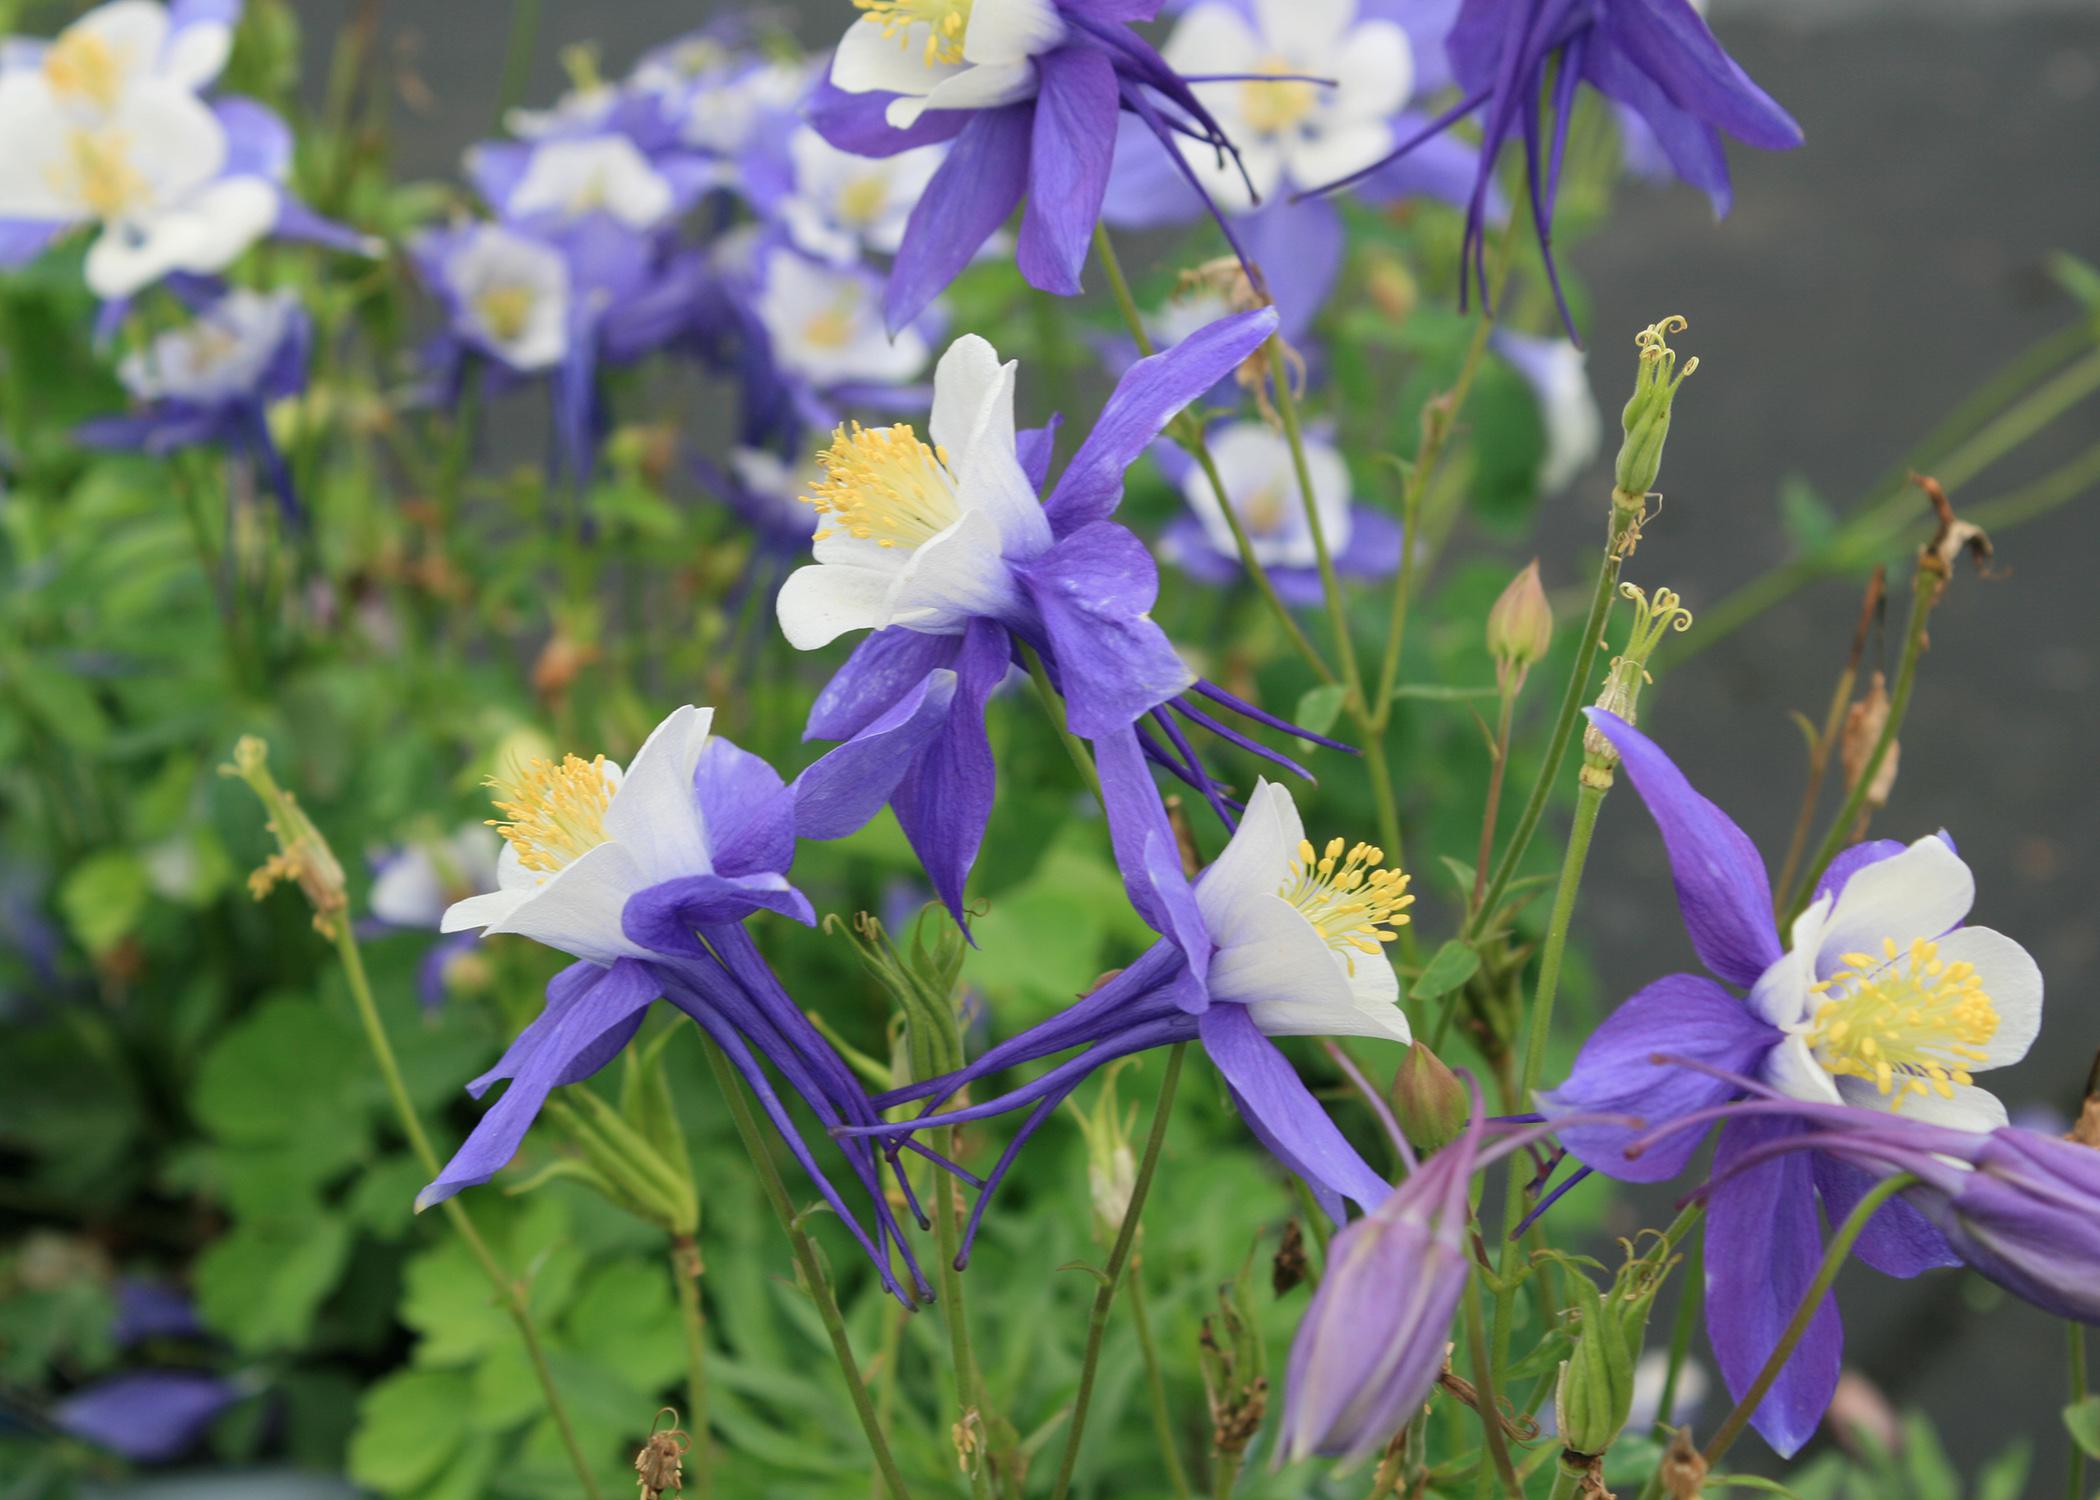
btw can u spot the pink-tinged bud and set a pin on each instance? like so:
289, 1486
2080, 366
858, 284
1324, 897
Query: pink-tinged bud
1428, 1100
1519, 627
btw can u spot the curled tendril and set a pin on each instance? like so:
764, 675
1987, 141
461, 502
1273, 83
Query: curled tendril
1654, 340
1658, 613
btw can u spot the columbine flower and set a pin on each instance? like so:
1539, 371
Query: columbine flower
644, 876
414, 886
1263, 482
836, 206
1276, 938
943, 551
565, 178
1029, 91
1558, 373
1657, 57
1884, 1001
213, 381
824, 336
104, 126
507, 293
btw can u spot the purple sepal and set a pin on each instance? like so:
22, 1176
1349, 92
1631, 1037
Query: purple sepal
149, 1416
1899, 1240
1148, 854
1268, 1090
881, 670
1094, 590
663, 918
1073, 139
975, 188
1849, 862
945, 800
846, 787
1721, 884
856, 123
746, 809
1034, 447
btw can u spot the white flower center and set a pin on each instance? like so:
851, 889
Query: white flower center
1351, 901
882, 484
504, 310
555, 812
1909, 1020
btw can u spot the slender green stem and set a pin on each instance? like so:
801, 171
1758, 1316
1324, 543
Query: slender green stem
1494, 795
1330, 581
1833, 1259
1055, 708
1625, 517
1924, 593
517, 55
685, 1280
1156, 1386
2074, 479
1490, 1411
813, 1277
1225, 1473
1112, 1275
1682, 1326
455, 1212
969, 1383
2074, 1336
1119, 288
1566, 1481
1811, 793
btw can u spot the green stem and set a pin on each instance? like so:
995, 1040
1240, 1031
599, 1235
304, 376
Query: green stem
813, 1278
1566, 1481
1833, 1259
1118, 1257
2074, 1334
1812, 792
1682, 1327
1490, 1411
969, 1383
1625, 516
1225, 1474
1493, 806
455, 1212
1053, 706
1924, 593
1330, 581
1156, 1386
685, 1279
517, 55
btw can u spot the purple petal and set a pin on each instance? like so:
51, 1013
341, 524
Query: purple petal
1898, 1240
945, 800
148, 1417
1094, 590
1034, 447
151, 1310
1721, 883
1668, 40
1145, 400
1069, 154
1692, 147
1763, 1249
1275, 1100
582, 1029
746, 810
1442, 167
1849, 862
663, 917
1373, 548
1682, 1015
883, 668
1147, 852
258, 142
23, 240
848, 786
856, 123
970, 195
1299, 247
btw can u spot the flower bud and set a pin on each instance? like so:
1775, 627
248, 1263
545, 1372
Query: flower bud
1647, 417
1428, 1100
1111, 1166
1519, 628
1594, 1397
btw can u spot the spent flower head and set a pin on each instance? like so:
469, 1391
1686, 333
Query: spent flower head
1646, 420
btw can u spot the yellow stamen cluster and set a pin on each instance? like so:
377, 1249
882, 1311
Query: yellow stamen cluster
882, 484
1272, 107
504, 310
946, 22
82, 63
1349, 899
97, 171
863, 198
555, 812
830, 327
1909, 1019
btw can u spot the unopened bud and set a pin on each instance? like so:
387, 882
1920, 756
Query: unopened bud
1428, 1100
1111, 1166
1683, 1471
1519, 628
1647, 416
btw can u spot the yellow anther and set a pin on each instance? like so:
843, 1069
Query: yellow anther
862, 200
882, 484
97, 171
81, 63
555, 812
1352, 903
504, 310
947, 22
1277, 101
1908, 1019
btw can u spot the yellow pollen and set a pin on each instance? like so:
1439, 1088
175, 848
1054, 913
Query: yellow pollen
830, 327
1266, 509
555, 813
882, 484
1349, 899
79, 62
1271, 108
862, 199
97, 171
504, 310
1906, 1018
946, 22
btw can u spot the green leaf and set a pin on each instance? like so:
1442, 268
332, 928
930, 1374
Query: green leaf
291, 1071
1807, 520
103, 898
624, 1318
409, 1427
1451, 966
1320, 706
2082, 1421
262, 1284
447, 1298
61, 701
2077, 276
2005, 1477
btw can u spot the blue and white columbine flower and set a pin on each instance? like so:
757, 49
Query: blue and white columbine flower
839, 207
506, 293
1883, 1001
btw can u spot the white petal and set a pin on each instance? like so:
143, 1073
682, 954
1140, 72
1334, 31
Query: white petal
868, 62
1360, 1017
484, 910
820, 603
2012, 980
1373, 68
1921, 892
408, 892
1309, 28
207, 233
973, 420
1971, 1108
1793, 1070
1276, 955
980, 87
1254, 864
1315, 160
654, 814
130, 32
578, 911
32, 175
195, 55
962, 573
1011, 31
1781, 995
1213, 39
